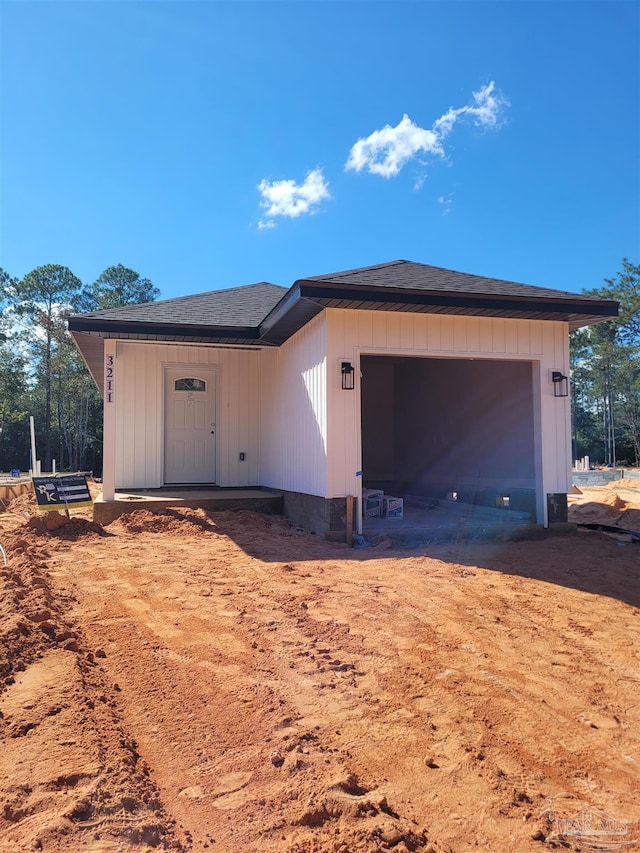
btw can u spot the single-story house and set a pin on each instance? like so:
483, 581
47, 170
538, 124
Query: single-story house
401, 376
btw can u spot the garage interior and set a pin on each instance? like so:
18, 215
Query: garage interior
451, 431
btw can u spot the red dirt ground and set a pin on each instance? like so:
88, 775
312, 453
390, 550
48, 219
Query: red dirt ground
225, 682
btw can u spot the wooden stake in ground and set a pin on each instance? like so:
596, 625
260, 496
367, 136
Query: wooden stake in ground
350, 501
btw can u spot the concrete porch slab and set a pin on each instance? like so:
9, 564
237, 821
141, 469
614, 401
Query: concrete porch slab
268, 501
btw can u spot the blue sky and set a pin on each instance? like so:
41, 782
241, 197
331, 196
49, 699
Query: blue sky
214, 144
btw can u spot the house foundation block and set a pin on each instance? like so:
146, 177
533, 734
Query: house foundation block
326, 517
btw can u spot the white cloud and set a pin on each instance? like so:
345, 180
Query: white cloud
286, 198
486, 111
489, 106
385, 152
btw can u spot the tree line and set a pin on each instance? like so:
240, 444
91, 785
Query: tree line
605, 377
42, 374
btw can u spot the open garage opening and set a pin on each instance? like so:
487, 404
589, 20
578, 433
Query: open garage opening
451, 429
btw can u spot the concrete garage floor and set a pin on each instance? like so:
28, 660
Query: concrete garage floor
452, 520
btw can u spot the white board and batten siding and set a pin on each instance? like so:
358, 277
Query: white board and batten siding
351, 334
293, 408
284, 407
140, 371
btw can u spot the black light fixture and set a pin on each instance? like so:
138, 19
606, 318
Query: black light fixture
348, 376
560, 384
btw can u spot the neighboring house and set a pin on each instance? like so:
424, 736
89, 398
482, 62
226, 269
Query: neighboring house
449, 387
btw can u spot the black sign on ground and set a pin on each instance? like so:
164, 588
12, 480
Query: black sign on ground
61, 492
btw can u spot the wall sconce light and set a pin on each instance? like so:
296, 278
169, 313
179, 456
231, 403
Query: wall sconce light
560, 384
348, 374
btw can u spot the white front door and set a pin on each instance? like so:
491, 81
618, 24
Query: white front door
189, 425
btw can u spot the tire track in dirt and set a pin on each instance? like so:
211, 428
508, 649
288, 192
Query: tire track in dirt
285, 742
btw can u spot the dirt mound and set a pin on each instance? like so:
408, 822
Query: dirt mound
168, 520
362, 818
597, 506
626, 483
232, 523
601, 495
83, 784
31, 617
616, 504
23, 503
614, 501
69, 529
630, 519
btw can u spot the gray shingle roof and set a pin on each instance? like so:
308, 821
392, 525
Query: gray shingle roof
265, 314
420, 288
235, 307
408, 275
